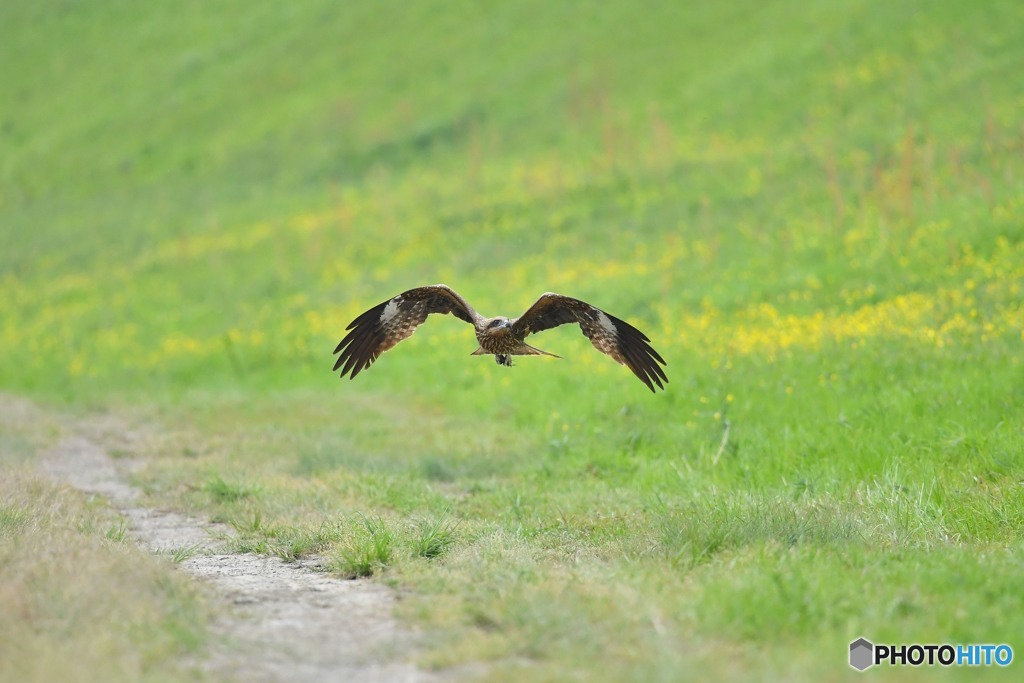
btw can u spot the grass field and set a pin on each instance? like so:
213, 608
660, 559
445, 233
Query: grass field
815, 211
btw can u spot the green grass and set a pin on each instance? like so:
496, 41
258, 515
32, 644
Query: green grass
814, 210
369, 549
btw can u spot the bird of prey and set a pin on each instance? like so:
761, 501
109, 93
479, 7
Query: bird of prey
391, 321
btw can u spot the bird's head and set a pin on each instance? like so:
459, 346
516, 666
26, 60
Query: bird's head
498, 325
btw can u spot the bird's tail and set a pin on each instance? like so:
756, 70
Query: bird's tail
521, 350
527, 350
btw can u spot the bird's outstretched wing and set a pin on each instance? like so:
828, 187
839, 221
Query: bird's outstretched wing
608, 334
388, 323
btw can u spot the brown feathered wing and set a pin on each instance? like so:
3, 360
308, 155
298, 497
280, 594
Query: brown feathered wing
391, 321
609, 335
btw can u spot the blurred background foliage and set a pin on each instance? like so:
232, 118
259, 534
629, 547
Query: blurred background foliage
205, 193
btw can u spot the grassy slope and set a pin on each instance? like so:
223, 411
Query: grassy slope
815, 212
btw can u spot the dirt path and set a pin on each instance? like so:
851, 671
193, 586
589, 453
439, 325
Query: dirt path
280, 621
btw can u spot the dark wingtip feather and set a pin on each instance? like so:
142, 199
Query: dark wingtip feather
338, 363
357, 348
642, 358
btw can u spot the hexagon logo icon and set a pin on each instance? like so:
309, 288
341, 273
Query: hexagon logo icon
862, 654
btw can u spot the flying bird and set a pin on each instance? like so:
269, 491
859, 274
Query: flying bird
391, 321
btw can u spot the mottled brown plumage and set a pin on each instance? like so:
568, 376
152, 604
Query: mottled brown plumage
391, 321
